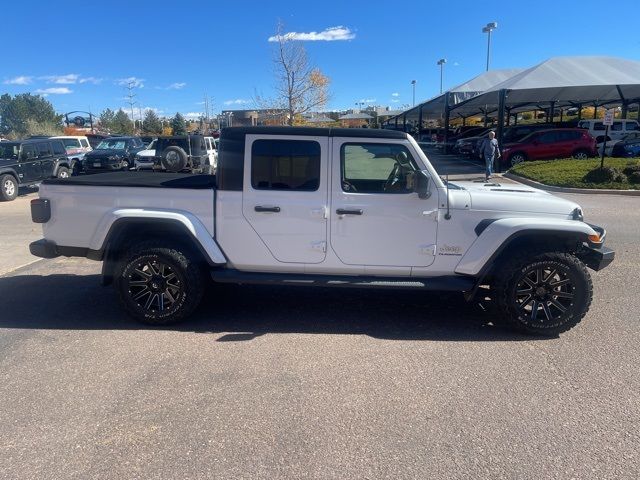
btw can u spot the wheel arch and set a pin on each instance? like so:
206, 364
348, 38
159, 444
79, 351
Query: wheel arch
126, 232
11, 172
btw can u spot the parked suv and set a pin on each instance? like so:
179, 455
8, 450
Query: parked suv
29, 162
558, 143
616, 131
186, 153
113, 153
77, 147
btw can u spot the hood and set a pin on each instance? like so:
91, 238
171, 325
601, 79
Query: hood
515, 198
105, 153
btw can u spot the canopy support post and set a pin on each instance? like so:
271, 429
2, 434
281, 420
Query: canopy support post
447, 112
419, 121
501, 108
595, 111
579, 112
625, 104
396, 122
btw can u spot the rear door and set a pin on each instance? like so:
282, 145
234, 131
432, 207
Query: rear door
285, 195
45, 156
545, 145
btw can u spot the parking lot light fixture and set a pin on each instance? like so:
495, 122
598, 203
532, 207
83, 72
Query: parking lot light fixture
441, 62
490, 27
413, 84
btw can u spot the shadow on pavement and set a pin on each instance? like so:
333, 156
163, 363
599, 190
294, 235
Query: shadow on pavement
241, 313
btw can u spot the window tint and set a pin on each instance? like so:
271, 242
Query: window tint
377, 168
548, 137
28, 152
598, 126
616, 127
58, 148
631, 126
285, 165
44, 149
84, 143
71, 142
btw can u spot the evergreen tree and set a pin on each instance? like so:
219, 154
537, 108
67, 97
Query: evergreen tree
122, 124
179, 125
151, 123
106, 119
19, 115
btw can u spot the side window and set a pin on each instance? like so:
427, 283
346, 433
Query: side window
84, 143
71, 142
632, 126
548, 137
28, 152
44, 149
58, 148
616, 127
285, 165
598, 126
376, 168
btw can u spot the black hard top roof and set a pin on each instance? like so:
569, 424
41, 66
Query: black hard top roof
313, 132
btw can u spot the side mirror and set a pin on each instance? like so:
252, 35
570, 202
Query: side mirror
421, 184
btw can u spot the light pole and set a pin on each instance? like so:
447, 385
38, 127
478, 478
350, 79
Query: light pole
413, 84
441, 62
490, 27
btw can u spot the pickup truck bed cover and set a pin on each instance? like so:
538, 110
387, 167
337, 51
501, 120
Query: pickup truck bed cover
139, 179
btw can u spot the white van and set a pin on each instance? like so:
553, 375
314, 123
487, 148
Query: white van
619, 129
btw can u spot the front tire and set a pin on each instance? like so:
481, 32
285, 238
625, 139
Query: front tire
543, 293
517, 158
63, 172
581, 155
159, 284
8, 188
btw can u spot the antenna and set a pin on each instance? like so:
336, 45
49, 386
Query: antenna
447, 216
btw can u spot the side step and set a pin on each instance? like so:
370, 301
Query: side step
454, 283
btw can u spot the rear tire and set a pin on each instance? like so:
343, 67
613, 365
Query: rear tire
160, 284
8, 188
581, 155
543, 293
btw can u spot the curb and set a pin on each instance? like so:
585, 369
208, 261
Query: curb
15, 270
588, 191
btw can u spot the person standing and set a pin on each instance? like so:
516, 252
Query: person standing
490, 152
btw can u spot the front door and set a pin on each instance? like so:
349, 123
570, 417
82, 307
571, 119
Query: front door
285, 195
376, 218
30, 166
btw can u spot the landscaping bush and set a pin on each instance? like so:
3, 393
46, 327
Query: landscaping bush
630, 169
602, 175
634, 177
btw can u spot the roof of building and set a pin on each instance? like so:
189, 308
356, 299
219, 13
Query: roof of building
355, 116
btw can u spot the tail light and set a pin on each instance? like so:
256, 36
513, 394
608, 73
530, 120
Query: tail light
40, 210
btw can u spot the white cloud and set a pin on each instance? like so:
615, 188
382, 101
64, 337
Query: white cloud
69, 79
456, 64
93, 80
237, 101
192, 115
395, 94
54, 91
330, 34
368, 100
176, 86
395, 101
21, 80
134, 81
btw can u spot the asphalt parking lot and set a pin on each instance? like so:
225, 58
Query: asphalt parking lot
274, 382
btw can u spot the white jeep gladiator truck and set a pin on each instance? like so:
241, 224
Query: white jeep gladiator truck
324, 207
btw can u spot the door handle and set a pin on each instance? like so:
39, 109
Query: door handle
260, 208
344, 211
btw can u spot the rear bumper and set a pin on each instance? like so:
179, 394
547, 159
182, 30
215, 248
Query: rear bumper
44, 248
596, 258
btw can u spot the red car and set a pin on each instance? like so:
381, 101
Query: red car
556, 143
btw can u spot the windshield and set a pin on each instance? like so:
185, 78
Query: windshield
71, 143
111, 145
9, 150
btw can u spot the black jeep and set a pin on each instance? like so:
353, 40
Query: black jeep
182, 153
28, 162
112, 153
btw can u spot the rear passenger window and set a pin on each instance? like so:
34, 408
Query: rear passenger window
44, 149
84, 143
58, 148
285, 165
548, 137
598, 126
616, 127
632, 126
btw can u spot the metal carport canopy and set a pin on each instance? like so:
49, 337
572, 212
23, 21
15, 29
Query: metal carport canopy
566, 81
434, 107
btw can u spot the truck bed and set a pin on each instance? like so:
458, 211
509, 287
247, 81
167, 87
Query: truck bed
139, 179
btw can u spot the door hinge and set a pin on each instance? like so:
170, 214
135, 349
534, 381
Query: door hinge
319, 247
428, 249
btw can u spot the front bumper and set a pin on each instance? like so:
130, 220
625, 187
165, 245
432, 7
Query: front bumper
596, 258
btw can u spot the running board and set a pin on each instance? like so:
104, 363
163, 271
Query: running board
457, 283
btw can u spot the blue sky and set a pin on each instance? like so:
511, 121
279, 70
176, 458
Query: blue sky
176, 52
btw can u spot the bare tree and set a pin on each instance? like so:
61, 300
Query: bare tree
300, 87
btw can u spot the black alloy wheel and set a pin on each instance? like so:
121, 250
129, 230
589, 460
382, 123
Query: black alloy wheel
544, 294
154, 286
